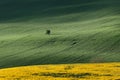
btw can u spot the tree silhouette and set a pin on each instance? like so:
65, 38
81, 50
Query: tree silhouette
48, 32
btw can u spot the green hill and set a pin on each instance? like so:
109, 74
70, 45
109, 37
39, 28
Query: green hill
82, 31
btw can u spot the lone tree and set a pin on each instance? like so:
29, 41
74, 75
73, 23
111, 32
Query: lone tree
48, 32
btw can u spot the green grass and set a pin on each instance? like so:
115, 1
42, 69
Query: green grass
82, 31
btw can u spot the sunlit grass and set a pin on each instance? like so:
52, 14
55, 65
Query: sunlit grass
81, 31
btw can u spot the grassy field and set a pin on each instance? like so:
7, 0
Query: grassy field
83, 31
101, 71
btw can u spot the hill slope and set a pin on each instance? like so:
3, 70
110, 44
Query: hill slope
82, 31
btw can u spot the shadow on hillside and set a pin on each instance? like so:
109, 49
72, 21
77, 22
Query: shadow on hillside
23, 10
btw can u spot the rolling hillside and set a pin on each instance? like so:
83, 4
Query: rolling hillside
82, 31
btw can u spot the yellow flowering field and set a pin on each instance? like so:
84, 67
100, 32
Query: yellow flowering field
98, 71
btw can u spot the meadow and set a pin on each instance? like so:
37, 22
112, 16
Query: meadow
81, 32
84, 43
